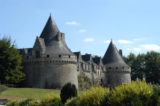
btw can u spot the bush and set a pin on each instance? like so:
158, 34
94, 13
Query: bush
34, 103
69, 90
84, 82
11, 103
156, 96
91, 97
137, 93
3, 88
51, 101
47, 101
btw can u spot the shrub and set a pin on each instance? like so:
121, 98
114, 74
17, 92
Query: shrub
69, 90
3, 88
84, 82
51, 101
91, 97
137, 93
34, 103
47, 101
11, 103
23, 102
156, 96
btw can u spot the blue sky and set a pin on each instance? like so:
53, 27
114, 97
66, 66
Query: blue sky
89, 25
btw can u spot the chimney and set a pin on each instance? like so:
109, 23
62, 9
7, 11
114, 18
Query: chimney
120, 52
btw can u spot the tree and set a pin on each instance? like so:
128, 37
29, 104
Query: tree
10, 63
145, 64
137, 65
152, 69
69, 90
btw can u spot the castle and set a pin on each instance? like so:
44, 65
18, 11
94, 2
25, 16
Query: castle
51, 64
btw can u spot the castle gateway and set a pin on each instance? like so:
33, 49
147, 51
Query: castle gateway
51, 64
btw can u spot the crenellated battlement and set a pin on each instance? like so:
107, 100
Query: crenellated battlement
45, 60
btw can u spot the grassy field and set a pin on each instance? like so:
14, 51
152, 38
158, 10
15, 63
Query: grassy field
21, 93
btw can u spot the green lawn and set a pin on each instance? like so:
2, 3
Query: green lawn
28, 93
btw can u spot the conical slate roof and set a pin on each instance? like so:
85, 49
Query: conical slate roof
50, 35
50, 30
113, 57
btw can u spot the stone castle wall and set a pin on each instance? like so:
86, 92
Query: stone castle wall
115, 76
48, 73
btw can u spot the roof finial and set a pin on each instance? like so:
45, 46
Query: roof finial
111, 40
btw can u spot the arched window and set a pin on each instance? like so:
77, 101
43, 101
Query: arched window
60, 56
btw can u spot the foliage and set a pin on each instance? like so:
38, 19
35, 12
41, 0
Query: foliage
3, 88
47, 101
10, 63
145, 66
91, 97
69, 90
152, 69
11, 103
83, 82
51, 101
137, 93
34, 102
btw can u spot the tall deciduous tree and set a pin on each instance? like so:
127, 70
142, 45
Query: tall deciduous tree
152, 69
10, 63
145, 65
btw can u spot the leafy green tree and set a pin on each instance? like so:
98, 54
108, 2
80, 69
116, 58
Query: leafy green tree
10, 63
137, 65
152, 69
145, 64
68, 91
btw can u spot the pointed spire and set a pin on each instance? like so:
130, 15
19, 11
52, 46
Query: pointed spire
112, 55
50, 30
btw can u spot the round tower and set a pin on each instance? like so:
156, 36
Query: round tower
117, 71
51, 63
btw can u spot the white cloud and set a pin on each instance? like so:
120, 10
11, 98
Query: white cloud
138, 39
88, 40
137, 49
150, 47
107, 41
82, 30
72, 23
125, 42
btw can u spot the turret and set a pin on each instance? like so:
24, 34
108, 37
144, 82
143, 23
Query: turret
52, 64
117, 71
